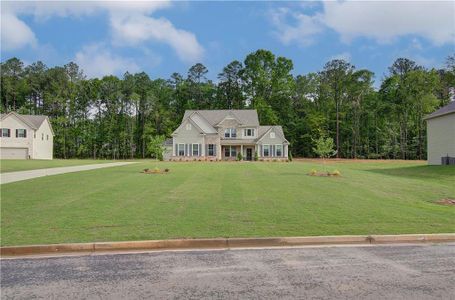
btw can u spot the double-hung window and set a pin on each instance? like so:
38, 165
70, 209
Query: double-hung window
181, 149
230, 133
249, 132
6, 132
21, 133
266, 150
233, 151
227, 151
279, 150
230, 151
195, 149
211, 150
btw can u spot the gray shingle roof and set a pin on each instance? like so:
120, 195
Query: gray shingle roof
245, 116
34, 120
448, 109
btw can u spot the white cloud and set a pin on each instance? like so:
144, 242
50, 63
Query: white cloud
383, 21
302, 33
130, 22
136, 29
97, 61
15, 34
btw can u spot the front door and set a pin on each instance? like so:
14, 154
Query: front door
249, 154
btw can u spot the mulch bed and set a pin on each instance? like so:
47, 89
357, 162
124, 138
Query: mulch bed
324, 175
154, 172
447, 201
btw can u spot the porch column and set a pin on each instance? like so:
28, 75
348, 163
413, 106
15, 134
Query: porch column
241, 150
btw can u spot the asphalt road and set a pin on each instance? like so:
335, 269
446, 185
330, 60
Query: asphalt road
369, 272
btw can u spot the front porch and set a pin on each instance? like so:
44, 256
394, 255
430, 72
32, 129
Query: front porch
231, 152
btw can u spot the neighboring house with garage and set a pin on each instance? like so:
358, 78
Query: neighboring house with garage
25, 137
441, 135
224, 134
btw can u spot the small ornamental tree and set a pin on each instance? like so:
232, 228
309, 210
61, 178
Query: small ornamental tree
156, 147
324, 148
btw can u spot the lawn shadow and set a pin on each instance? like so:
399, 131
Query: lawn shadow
418, 172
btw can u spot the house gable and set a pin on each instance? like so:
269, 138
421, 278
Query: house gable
273, 135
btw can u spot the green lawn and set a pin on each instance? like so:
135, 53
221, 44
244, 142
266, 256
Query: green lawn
12, 165
227, 200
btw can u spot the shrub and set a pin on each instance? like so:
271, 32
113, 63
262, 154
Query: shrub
239, 156
166, 170
290, 156
336, 173
274, 160
156, 169
256, 156
313, 172
146, 170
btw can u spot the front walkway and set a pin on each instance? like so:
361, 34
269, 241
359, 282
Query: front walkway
24, 175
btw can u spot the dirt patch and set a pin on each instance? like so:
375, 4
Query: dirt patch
447, 201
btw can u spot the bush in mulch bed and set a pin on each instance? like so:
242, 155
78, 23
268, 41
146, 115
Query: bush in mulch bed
335, 173
155, 171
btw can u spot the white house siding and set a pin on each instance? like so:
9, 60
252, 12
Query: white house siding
441, 138
188, 137
13, 123
43, 142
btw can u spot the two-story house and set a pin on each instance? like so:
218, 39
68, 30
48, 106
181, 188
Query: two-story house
223, 134
25, 137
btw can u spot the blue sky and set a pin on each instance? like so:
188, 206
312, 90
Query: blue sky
165, 37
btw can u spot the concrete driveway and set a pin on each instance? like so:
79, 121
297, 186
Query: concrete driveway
348, 272
24, 175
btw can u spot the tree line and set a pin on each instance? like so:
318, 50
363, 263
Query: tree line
117, 118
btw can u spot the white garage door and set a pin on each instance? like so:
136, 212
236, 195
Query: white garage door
13, 153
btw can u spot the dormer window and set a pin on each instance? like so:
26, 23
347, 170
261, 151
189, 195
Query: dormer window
188, 126
272, 135
230, 133
249, 132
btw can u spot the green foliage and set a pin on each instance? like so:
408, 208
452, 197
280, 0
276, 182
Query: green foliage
290, 156
116, 118
239, 156
324, 147
256, 156
156, 147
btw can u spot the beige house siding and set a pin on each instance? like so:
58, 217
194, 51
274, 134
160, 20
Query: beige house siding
188, 136
39, 143
277, 140
441, 138
43, 142
13, 123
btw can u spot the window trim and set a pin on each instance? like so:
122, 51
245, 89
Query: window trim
213, 150
228, 148
246, 132
8, 132
281, 149
230, 132
268, 150
192, 150
24, 131
178, 149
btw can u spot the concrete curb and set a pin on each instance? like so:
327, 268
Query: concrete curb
225, 243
